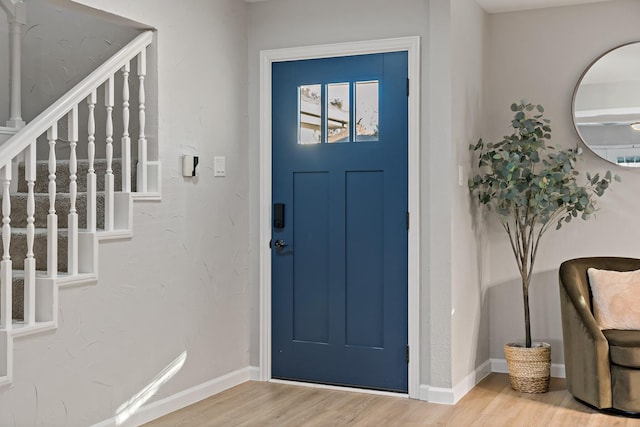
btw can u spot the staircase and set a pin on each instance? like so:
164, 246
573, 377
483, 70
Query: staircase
63, 203
55, 211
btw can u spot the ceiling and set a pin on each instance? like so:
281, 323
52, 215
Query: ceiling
495, 6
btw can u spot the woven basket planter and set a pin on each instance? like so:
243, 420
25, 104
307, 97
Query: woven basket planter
529, 368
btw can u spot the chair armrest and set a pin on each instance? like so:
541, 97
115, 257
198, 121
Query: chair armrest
586, 349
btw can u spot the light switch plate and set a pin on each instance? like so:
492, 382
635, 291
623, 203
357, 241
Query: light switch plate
219, 166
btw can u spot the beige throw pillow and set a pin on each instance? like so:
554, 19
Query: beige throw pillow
616, 298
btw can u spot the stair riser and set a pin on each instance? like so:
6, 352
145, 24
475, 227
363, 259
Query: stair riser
19, 251
62, 176
19, 210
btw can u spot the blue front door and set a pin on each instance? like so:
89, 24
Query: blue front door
339, 283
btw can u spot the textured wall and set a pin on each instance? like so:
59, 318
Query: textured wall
60, 47
180, 285
544, 67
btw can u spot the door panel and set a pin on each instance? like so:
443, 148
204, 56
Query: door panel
311, 261
339, 289
364, 258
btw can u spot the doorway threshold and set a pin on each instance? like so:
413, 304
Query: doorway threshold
340, 388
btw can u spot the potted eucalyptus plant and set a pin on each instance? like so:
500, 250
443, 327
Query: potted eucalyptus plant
532, 187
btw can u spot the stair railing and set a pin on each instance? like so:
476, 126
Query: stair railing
22, 146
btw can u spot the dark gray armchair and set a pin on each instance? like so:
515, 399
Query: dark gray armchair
602, 367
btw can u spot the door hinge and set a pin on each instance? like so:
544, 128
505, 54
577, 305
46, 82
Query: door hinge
407, 86
407, 220
407, 354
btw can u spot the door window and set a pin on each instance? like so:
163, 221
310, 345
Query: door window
325, 113
310, 114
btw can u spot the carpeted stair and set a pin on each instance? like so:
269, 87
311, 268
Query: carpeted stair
19, 217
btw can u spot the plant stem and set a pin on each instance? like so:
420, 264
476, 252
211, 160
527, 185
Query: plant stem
527, 318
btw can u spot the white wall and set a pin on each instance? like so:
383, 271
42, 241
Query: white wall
540, 55
182, 283
436, 160
470, 317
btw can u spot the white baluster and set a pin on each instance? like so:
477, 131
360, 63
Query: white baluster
30, 261
142, 140
108, 178
5, 265
126, 140
72, 251
91, 173
52, 218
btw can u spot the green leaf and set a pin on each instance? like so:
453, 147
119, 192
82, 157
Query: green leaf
617, 178
524, 178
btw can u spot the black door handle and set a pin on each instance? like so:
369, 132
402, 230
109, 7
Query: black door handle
279, 244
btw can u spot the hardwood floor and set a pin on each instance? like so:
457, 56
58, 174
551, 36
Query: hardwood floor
491, 403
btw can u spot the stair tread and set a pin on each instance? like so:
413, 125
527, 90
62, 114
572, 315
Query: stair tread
20, 328
114, 160
37, 230
19, 274
59, 193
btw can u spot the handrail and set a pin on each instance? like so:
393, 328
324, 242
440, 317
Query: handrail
36, 127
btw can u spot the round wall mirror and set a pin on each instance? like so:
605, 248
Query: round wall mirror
606, 106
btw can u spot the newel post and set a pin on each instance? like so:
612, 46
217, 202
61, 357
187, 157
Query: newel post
17, 18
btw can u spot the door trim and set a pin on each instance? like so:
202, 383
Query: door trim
267, 58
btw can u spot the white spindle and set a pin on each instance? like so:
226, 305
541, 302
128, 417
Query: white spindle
5, 265
108, 178
30, 261
126, 140
52, 218
91, 173
142, 140
72, 251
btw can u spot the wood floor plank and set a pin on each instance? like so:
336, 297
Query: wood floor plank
492, 403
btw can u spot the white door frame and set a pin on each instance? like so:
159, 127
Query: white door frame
267, 58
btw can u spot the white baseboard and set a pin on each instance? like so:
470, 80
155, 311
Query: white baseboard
186, 397
450, 396
500, 365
